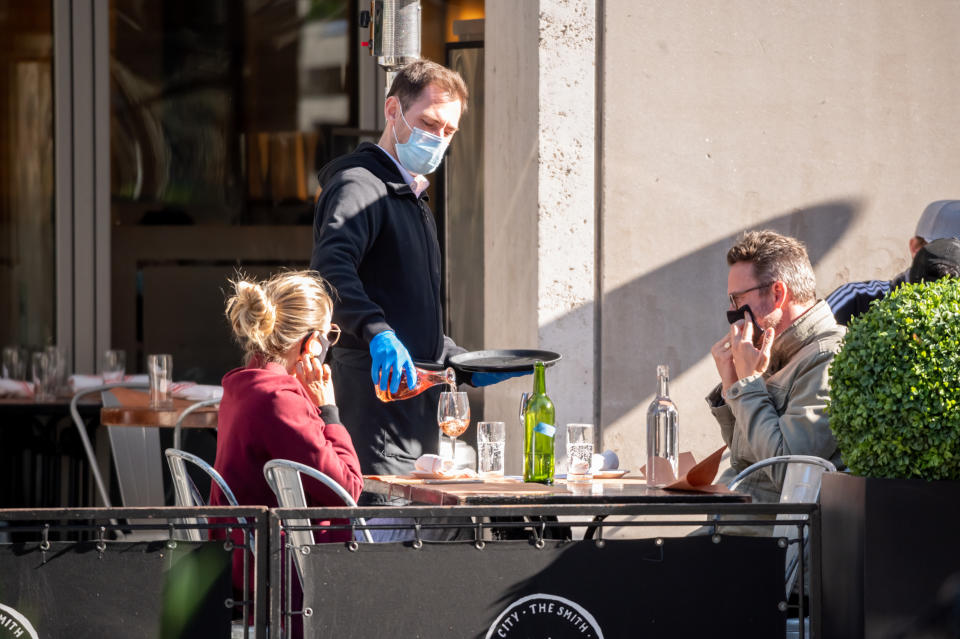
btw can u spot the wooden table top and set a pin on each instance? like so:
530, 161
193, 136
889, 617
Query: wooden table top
626, 490
132, 408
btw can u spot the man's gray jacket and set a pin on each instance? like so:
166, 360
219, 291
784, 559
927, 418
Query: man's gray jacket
782, 412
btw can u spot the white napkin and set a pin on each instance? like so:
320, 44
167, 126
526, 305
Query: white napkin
433, 464
195, 392
608, 460
82, 382
15, 388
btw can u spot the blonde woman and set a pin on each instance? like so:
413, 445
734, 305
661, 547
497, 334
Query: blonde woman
281, 403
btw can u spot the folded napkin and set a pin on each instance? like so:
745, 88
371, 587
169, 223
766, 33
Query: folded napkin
433, 463
607, 460
441, 467
15, 388
80, 382
195, 392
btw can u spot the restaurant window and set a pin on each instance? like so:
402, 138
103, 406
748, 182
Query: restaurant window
27, 260
221, 114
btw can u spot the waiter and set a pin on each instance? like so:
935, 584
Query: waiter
375, 241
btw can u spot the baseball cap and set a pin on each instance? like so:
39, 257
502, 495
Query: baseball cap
936, 259
940, 219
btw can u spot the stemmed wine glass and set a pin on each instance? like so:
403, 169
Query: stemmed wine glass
453, 415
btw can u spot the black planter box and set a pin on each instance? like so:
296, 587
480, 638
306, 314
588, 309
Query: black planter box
888, 547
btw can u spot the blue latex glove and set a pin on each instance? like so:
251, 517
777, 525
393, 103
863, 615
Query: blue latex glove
390, 355
486, 379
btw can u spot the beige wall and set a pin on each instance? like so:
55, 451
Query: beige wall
834, 122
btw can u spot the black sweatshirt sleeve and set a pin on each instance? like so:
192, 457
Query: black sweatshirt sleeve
346, 224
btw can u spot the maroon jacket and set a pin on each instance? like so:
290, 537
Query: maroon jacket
266, 414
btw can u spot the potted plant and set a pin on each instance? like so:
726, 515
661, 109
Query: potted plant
891, 524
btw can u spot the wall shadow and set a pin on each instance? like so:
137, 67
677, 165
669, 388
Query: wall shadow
675, 313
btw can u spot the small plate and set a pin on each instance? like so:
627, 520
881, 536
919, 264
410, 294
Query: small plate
610, 474
502, 361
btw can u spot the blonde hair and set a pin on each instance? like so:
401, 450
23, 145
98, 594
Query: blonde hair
269, 317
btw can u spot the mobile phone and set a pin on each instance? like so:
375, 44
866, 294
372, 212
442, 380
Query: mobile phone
313, 346
740, 313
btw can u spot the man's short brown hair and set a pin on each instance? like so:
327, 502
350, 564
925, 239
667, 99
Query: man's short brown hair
775, 258
413, 78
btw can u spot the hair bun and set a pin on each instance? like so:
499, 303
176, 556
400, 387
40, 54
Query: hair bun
251, 312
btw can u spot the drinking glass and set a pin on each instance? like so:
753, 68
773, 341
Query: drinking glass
42, 372
579, 451
59, 368
113, 366
491, 440
14, 363
453, 415
160, 371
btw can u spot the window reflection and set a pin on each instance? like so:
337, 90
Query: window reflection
222, 111
27, 266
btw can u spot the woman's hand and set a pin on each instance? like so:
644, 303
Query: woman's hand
316, 379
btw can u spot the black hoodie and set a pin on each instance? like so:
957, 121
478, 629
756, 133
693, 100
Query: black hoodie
376, 243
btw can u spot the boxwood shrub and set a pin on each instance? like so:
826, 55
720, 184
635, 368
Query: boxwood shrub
894, 402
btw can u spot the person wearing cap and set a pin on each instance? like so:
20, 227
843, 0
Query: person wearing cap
939, 258
941, 219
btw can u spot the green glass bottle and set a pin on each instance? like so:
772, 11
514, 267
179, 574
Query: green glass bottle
539, 428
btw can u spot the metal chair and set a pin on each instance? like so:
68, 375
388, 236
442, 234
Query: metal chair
801, 485
283, 477
91, 456
193, 407
187, 494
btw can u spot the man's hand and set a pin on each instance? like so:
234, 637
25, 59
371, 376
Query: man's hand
316, 379
723, 358
747, 358
390, 361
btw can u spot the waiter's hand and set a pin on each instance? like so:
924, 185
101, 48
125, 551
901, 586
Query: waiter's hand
316, 379
390, 361
747, 358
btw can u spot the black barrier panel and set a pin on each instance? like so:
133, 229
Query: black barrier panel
686, 587
130, 590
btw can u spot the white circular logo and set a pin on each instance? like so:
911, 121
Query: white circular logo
543, 615
14, 624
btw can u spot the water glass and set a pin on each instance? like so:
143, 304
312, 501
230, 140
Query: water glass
59, 368
491, 441
43, 374
579, 451
14, 363
113, 366
160, 371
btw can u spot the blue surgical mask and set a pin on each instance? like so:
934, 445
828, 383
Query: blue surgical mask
422, 152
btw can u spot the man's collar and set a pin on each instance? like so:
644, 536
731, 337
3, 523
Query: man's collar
804, 328
417, 183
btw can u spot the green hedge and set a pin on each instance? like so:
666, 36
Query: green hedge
895, 385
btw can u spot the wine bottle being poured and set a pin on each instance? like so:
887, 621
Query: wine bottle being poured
425, 379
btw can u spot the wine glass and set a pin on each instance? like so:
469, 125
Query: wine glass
453, 415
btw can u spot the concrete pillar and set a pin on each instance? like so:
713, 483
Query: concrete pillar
539, 193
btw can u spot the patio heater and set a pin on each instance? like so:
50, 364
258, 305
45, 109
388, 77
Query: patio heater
394, 33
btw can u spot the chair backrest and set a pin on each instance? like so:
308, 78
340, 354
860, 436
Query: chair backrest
283, 477
801, 485
189, 409
186, 491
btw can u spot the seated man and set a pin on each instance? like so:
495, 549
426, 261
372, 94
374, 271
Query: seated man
773, 378
940, 219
